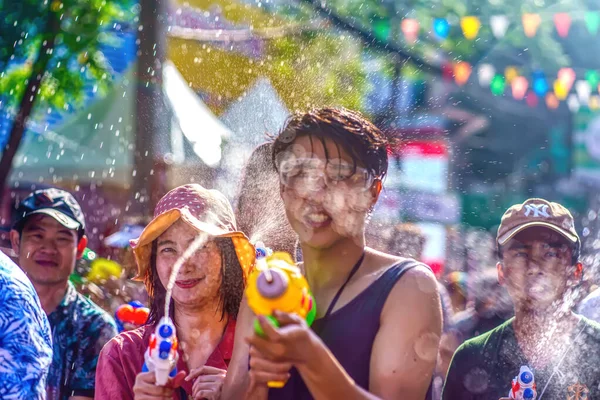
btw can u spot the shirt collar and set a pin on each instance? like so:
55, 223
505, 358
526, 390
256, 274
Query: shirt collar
68, 299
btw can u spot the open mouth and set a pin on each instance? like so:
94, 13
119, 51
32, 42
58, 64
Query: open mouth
317, 219
188, 283
47, 263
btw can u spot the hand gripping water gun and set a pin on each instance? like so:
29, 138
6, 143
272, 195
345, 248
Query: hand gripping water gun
161, 355
523, 385
131, 315
277, 284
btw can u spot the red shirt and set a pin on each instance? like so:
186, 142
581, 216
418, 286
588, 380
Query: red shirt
122, 359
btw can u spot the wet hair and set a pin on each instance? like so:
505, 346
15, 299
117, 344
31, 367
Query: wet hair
407, 240
360, 138
230, 292
259, 182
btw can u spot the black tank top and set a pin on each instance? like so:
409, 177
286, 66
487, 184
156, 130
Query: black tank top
349, 333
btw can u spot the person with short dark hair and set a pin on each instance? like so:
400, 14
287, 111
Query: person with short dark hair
378, 319
49, 237
538, 248
206, 296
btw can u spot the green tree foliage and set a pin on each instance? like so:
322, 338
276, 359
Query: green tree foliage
76, 58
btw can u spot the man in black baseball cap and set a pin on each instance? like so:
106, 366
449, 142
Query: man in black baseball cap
48, 237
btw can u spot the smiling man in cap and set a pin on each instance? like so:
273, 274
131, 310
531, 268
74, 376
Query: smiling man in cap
538, 249
48, 237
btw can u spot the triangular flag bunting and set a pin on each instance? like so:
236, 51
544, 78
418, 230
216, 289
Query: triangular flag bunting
441, 27
485, 73
410, 28
511, 73
531, 22
584, 90
470, 26
562, 21
499, 25
567, 77
551, 101
462, 71
519, 87
573, 103
592, 77
592, 21
560, 90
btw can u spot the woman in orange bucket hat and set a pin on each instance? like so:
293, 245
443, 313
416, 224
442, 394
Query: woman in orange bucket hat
205, 299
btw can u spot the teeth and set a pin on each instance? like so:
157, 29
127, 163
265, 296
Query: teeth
317, 217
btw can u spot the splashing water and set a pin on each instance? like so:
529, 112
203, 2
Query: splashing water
198, 242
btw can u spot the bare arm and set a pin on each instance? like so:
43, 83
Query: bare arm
404, 353
237, 380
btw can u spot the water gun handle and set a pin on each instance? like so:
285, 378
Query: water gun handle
162, 373
310, 317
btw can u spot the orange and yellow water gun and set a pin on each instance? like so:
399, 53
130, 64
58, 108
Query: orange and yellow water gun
276, 283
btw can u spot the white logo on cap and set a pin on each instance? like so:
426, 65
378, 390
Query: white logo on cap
538, 210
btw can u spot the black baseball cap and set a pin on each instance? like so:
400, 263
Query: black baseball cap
57, 203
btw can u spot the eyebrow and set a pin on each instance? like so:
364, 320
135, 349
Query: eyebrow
165, 242
518, 246
40, 228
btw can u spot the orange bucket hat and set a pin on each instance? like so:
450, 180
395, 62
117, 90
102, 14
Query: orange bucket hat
205, 210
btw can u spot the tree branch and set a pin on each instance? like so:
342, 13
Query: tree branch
371, 40
29, 96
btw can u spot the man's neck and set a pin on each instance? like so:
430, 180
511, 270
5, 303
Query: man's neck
200, 326
51, 295
326, 268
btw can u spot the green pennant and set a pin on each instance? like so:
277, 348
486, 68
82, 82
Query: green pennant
593, 78
592, 21
382, 29
497, 85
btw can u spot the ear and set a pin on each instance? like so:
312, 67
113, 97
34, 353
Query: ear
501, 277
81, 246
376, 189
15, 241
578, 273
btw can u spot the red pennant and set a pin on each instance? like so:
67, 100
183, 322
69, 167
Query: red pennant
519, 86
531, 99
562, 21
448, 71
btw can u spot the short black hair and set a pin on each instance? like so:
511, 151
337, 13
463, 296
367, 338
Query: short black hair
366, 144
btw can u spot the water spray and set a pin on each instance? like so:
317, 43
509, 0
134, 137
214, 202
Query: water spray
161, 355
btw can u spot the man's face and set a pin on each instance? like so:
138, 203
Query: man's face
47, 251
536, 268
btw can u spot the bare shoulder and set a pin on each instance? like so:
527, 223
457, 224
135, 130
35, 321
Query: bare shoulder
415, 293
420, 274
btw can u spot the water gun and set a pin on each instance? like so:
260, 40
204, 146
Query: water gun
523, 385
131, 315
277, 284
161, 355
